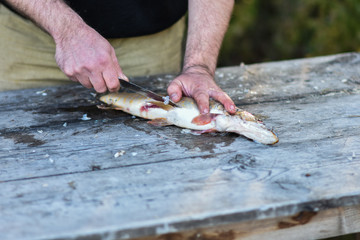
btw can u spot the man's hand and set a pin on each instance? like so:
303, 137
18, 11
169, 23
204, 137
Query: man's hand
199, 84
81, 52
88, 58
208, 21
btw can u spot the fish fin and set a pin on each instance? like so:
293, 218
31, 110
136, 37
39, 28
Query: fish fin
109, 107
204, 119
246, 115
103, 107
162, 105
159, 122
204, 131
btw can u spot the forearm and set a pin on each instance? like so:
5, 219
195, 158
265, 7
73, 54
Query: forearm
54, 16
208, 22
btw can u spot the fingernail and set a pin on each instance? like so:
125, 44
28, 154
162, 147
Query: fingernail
232, 108
205, 111
122, 76
174, 96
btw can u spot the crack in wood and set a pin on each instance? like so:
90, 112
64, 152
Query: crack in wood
99, 168
301, 218
268, 99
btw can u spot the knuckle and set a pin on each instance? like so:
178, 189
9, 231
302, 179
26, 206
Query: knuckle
113, 86
173, 87
91, 65
100, 89
223, 97
69, 72
74, 70
200, 94
177, 82
86, 84
176, 87
102, 59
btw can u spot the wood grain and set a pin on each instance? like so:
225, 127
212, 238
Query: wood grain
302, 226
60, 179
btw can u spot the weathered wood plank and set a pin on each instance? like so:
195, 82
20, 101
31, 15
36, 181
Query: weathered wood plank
245, 83
83, 145
138, 200
64, 182
302, 226
293, 79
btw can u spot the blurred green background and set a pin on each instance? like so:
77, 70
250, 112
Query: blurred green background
269, 30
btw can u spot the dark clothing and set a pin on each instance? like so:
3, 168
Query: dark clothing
129, 18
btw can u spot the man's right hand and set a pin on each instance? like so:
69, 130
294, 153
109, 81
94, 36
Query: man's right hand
81, 52
88, 58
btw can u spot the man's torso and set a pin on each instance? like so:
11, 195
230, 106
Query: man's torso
129, 18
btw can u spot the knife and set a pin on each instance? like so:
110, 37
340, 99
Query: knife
145, 92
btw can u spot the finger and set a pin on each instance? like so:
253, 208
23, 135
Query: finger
83, 80
117, 67
175, 90
123, 76
202, 100
225, 100
111, 81
110, 77
98, 82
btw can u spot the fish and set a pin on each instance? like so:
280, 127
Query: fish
187, 115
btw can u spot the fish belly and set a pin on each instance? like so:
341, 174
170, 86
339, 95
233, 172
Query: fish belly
183, 117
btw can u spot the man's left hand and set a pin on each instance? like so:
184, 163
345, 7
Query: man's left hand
200, 85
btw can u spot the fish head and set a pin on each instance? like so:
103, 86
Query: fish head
251, 129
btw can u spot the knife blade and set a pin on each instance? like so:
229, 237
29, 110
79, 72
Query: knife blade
145, 92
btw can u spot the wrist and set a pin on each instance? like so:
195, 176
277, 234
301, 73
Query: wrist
61, 22
198, 69
68, 29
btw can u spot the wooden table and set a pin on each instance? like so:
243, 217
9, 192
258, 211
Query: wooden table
60, 179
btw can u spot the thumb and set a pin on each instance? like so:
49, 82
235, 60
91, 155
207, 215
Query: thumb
175, 90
